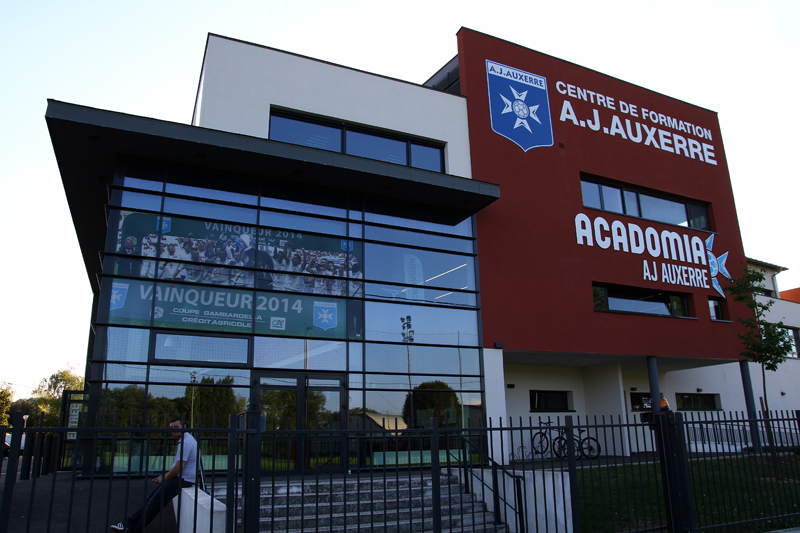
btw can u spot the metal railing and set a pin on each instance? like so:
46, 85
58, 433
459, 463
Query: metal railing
684, 471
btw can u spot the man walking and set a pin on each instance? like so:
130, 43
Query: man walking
182, 474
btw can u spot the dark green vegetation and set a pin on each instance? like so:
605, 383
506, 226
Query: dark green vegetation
725, 491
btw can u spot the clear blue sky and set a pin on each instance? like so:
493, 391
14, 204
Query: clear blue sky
143, 58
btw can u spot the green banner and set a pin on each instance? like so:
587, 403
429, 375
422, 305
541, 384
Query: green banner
223, 309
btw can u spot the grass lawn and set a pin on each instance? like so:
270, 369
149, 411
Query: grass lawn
725, 492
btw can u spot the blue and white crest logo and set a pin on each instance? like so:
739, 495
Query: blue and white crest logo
119, 291
325, 315
519, 106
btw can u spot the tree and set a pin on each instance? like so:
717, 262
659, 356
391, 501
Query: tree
428, 400
6, 395
48, 394
763, 342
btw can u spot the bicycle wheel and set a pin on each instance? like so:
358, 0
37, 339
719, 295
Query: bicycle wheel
539, 443
590, 448
560, 447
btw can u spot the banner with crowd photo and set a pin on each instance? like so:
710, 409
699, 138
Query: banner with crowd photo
139, 235
223, 309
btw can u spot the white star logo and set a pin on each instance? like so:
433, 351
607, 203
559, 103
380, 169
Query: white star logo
115, 296
325, 316
716, 265
520, 109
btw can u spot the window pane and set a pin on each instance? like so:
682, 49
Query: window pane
698, 216
463, 228
212, 194
137, 183
434, 296
305, 133
126, 344
631, 203
421, 359
638, 301
301, 223
374, 147
418, 239
183, 375
141, 201
299, 354
112, 372
663, 210
591, 194
426, 157
429, 325
203, 349
182, 206
302, 207
418, 267
715, 309
612, 199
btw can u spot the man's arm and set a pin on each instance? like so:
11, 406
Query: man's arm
174, 471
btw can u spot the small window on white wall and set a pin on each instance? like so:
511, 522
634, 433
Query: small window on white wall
551, 400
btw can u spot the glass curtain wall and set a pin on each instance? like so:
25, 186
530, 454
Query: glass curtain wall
213, 281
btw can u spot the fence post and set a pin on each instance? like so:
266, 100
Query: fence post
252, 472
230, 489
436, 477
27, 454
671, 444
573, 474
11, 471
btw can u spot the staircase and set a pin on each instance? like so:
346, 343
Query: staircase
401, 504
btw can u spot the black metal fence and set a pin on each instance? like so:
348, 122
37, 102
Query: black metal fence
665, 471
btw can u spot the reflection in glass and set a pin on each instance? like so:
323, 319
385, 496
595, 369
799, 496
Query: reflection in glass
463, 228
126, 344
430, 325
428, 400
418, 267
181, 206
314, 209
591, 194
433, 296
201, 349
399, 236
122, 405
612, 199
139, 200
356, 357
137, 183
426, 157
305, 134
631, 203
272, 352
374, 147
212, 194
184, 375
118, 372
303, 223
410, 358
663, 210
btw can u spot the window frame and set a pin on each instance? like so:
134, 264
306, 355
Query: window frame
601, 299
345, 127
624, 190
565, 395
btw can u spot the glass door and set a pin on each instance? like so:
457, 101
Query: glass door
302, 411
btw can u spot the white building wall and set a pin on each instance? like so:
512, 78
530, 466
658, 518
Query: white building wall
241, 82
528, 377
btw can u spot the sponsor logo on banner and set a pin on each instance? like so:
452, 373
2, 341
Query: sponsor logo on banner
166, 225
519, 106
119, 291
277, 323
325, 316
347, 245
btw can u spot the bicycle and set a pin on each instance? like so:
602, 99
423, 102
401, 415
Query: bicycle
587, 447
